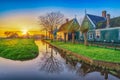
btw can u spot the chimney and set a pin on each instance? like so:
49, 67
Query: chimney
67, 20
108, 20
103, 13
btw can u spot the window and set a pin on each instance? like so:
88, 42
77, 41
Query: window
90, 35
80, 34
97, 34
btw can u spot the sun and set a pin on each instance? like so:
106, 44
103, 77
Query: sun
24, 31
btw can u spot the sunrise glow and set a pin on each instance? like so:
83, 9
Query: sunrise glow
24, 31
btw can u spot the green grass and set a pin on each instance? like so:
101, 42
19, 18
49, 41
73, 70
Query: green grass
18, 49
95, 53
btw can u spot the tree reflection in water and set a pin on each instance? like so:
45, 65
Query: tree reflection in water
50, 63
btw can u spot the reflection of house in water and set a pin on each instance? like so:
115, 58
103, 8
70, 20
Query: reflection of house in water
51, 64
83, 69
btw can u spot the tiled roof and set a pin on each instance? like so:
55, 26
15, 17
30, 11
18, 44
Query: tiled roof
70, 26
97, 19
114, 22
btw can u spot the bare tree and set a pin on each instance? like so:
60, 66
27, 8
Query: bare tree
51, 21
44, 23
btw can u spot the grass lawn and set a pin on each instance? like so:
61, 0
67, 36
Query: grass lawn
18, 49
95, 53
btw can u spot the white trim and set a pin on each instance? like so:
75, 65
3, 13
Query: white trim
91, 21
109, 28
92, 30
119, 35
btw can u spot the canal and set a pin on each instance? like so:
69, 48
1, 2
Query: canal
51, 64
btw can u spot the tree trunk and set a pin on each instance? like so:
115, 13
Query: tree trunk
85, 39
52, 36
55, 36
51, 52
73, 37
46, 48
46, 34
49, 35
65, 37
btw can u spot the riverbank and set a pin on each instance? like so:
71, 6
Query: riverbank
18, 49
102, 57
96, 53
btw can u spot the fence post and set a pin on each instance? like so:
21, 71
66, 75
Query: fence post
104, 43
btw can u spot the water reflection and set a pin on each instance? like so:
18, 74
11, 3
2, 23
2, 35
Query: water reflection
82, 69
50, 64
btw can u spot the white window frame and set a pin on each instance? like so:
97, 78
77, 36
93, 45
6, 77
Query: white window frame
119, 35
90, 35
97, 34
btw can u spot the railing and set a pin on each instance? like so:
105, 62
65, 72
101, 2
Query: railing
104, 44
112, 45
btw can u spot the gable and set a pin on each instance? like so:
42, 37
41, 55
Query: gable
70, 26
86, 22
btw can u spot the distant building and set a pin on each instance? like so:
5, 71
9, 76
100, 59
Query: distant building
37, 36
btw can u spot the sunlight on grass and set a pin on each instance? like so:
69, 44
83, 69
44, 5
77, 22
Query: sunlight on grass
18, 49
93, 52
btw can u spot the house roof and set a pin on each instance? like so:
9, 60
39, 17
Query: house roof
114, 22
98, 21
95, 19
70, 26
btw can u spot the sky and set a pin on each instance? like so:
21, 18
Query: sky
23, 14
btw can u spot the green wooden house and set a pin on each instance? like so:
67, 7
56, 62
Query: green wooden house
102, 28
109, 34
